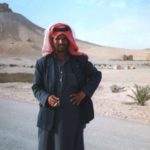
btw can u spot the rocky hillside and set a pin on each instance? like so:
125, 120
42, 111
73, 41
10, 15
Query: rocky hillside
18, 35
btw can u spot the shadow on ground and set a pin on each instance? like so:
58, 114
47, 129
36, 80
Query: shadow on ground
16, 77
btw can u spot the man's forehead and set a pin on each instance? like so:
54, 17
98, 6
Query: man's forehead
61, 36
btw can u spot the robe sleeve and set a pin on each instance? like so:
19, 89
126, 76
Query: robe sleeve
38, 80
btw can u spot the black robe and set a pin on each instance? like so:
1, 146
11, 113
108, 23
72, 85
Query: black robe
65, 131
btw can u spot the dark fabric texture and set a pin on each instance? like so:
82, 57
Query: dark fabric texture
88, 78
51, 140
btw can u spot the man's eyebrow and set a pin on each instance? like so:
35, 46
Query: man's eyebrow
61, 37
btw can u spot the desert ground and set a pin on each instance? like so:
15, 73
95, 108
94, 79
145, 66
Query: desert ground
106, 103
20, 46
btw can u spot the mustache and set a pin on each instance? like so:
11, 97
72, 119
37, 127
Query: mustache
62, 45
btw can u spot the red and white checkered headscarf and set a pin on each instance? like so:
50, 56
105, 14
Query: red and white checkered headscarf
54, 31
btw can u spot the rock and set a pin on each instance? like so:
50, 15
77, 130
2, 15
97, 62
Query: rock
117, 67
116, 89
127, 67
133, 67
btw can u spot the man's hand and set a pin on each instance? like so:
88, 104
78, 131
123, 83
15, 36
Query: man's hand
77, 97
53, 101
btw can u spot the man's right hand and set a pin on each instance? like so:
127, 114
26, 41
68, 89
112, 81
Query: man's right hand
53, 101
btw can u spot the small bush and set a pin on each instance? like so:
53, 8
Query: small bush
141, 94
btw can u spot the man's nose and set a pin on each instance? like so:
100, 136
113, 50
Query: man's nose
61, 41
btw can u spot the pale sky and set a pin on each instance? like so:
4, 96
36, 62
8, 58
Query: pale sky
114, 23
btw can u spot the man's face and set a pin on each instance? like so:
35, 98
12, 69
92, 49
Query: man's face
61, 43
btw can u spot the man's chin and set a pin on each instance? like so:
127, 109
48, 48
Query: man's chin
62, 49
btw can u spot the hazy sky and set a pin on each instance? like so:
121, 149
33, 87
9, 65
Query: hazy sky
116, 23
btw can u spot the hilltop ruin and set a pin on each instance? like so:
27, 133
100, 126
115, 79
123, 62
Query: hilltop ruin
4, 7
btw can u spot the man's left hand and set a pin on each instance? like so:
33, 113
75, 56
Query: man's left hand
77, 97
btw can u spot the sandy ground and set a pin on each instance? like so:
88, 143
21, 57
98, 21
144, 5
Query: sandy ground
106, 103
18, 56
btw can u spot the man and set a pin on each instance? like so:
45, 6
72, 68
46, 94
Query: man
64, 83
